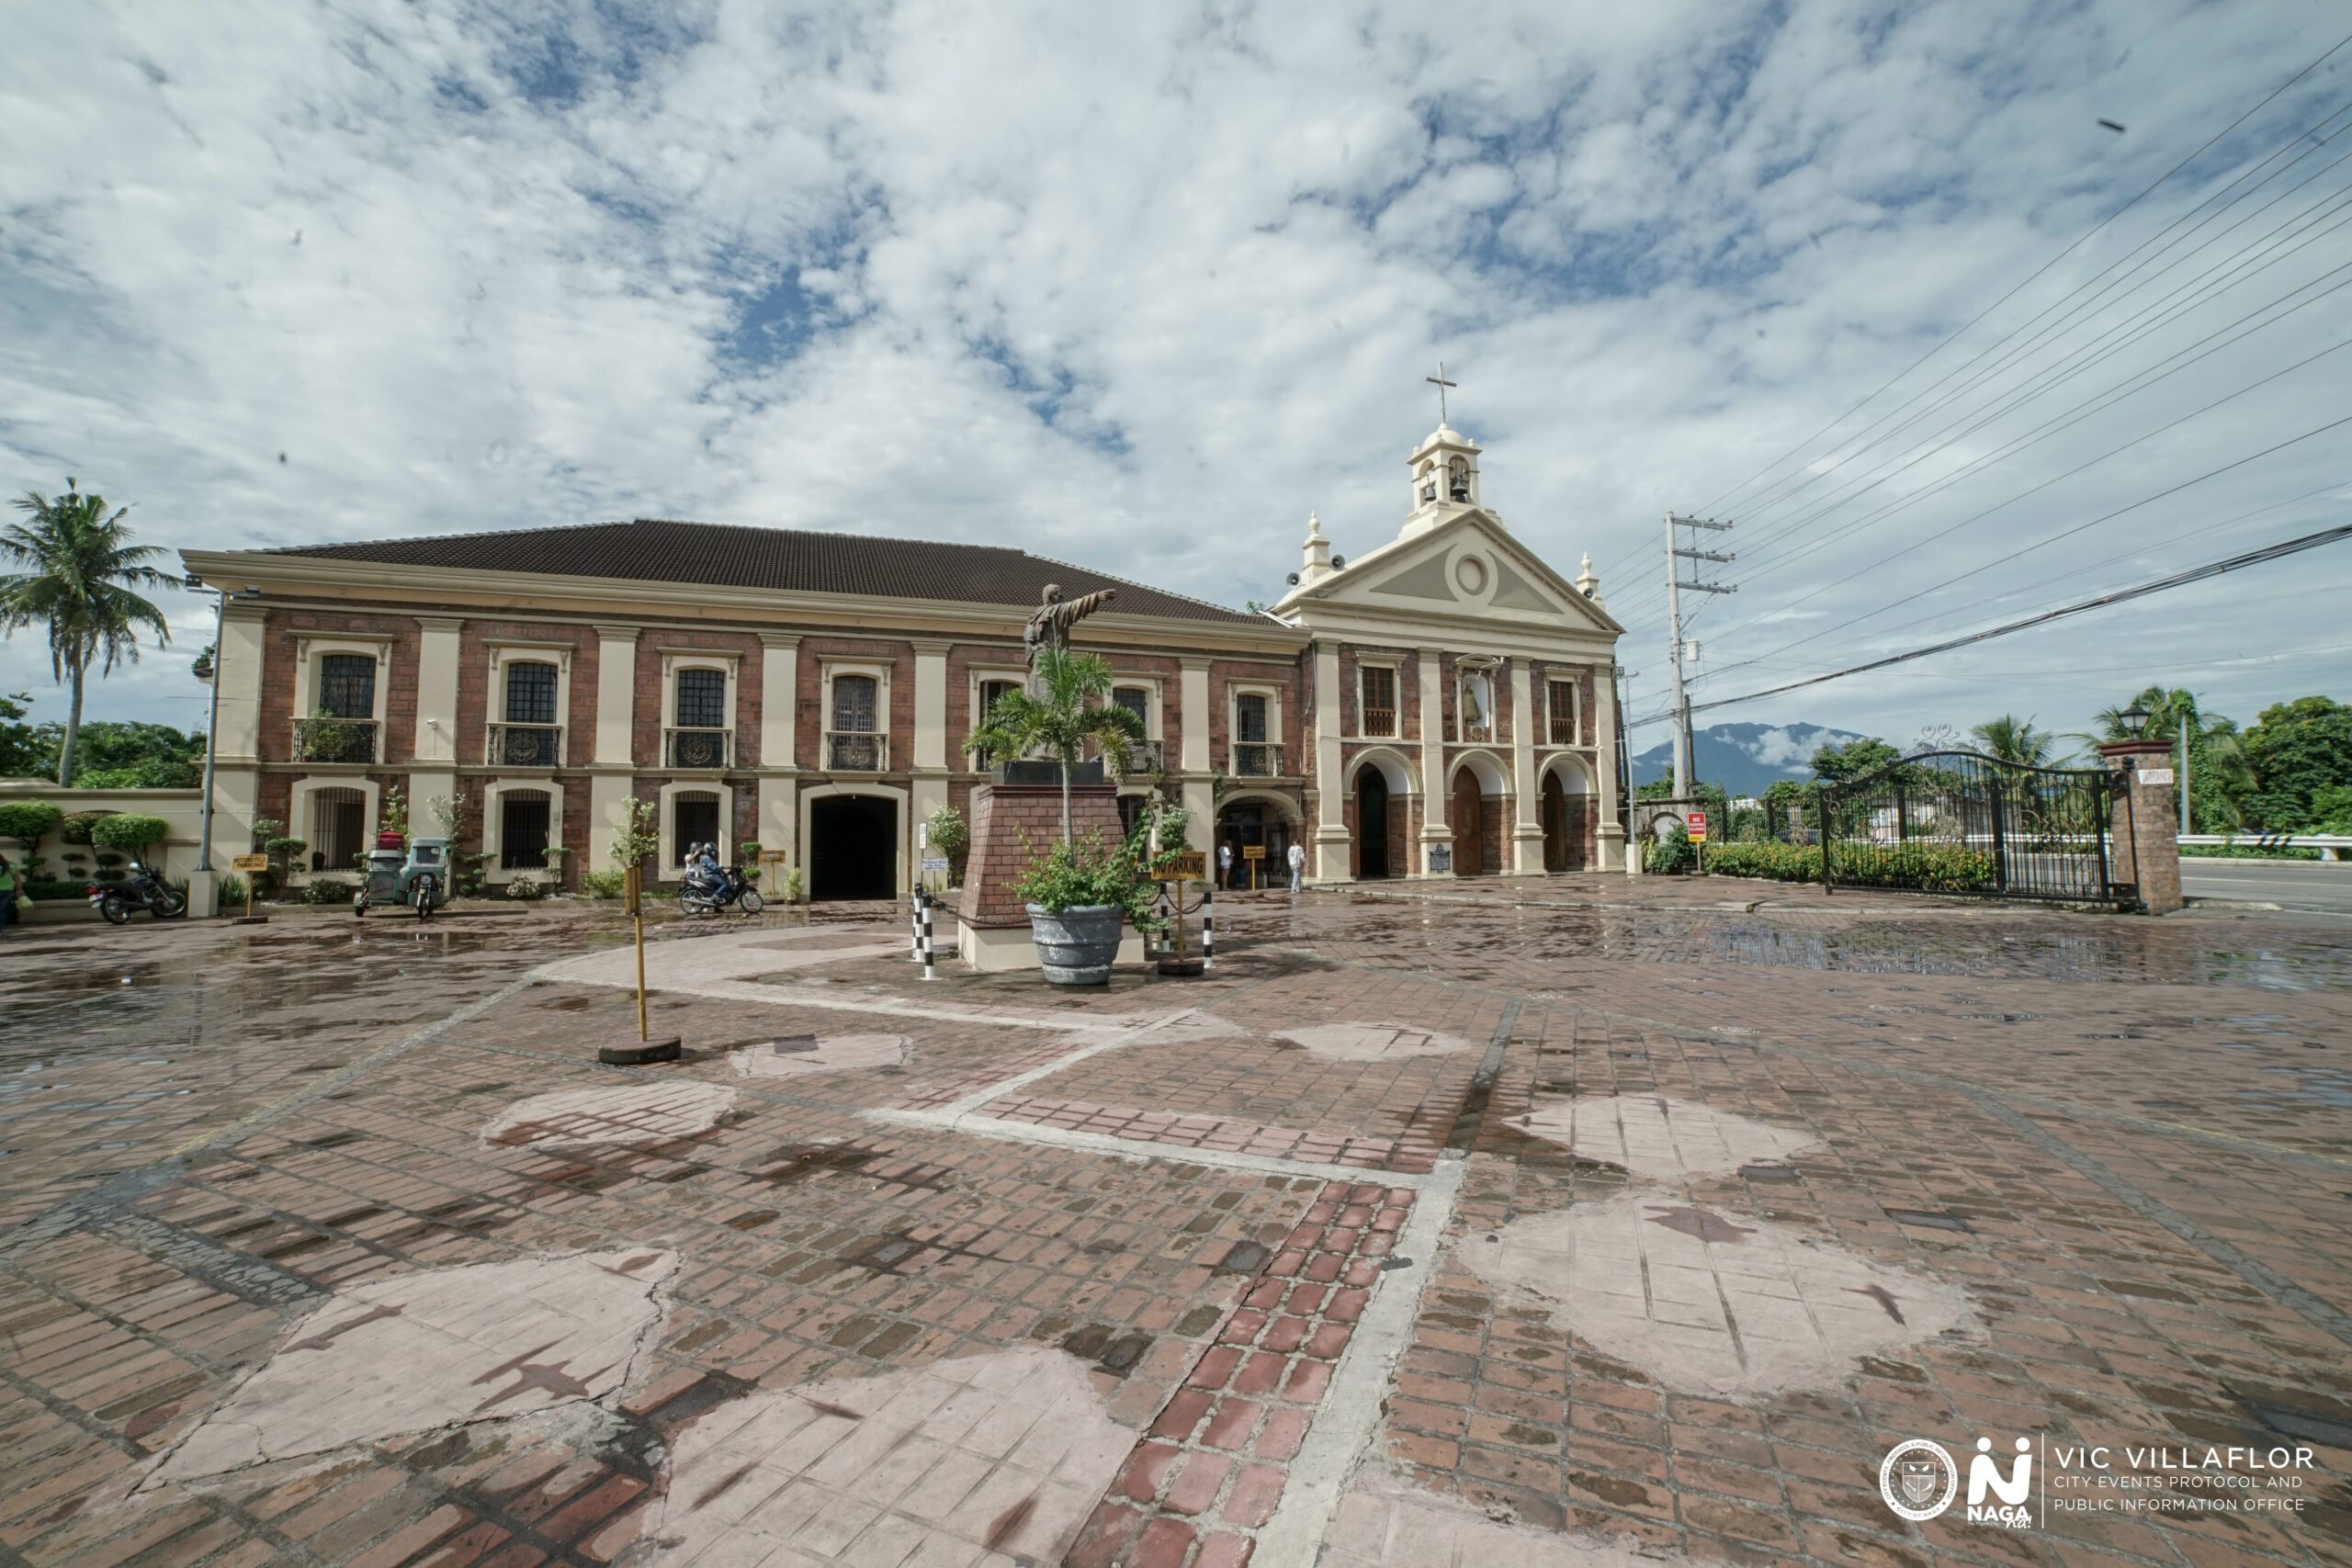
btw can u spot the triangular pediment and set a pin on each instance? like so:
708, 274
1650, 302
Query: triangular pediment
1467, 567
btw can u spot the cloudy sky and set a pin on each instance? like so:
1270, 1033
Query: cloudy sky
1138, 285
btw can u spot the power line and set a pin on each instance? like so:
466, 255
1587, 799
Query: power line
2139, 591
2076, 244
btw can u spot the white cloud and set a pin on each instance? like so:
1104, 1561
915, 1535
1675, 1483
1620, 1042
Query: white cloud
1138, 285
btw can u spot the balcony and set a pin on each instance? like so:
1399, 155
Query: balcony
1257, 759
1380, 723
856, 752
1145, 759
526, 746
1564, 732
698, 747
323, 739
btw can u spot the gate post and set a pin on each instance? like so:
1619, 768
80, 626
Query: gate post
2000, 844
1821, 810
2145, 795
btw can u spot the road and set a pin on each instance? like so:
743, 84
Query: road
2290, 884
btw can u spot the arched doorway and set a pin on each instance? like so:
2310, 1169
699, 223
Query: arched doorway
853, 847
1372, 823
1563, 818
1254, 820
1468, 822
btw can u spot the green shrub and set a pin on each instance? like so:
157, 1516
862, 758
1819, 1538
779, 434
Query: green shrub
1091, 871
74, 826
2246, 852
1936, 868
41, 892
229, 888
1673, 853
328, 890
526, 889
1779, 863
28, 822
604, 884
131, 832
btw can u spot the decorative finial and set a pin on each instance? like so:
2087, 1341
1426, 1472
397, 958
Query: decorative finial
1586, 583
1313, 526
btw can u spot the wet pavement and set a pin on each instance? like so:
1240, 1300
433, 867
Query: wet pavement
1540, 1221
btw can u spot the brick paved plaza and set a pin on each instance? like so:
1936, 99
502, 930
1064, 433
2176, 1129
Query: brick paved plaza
1548, 1220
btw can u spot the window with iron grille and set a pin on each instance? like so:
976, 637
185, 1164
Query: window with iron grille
853, 704
702, 699
348, 685
522, 830
1379, 699
1137, 700
1560, 706
338, 826
1249, 716
531, 694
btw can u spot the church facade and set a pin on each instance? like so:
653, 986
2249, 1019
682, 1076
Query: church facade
1442, 706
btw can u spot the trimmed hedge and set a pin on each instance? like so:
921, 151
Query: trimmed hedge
1779, 863
1937, 868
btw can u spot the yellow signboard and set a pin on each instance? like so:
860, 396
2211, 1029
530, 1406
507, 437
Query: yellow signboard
1187, 865
1253, 851
249, 863
773, 857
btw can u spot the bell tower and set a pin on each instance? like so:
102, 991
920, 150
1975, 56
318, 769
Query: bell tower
1444, 469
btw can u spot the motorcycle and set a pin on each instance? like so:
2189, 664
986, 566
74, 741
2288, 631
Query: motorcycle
143, 888
732, 889
418, 878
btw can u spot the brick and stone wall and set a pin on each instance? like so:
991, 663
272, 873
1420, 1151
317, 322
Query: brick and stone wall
1010, 823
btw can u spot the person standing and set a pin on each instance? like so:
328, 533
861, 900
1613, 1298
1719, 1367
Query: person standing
1224, 864
1297, 858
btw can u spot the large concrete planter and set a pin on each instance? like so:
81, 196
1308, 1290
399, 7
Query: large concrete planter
1078, 946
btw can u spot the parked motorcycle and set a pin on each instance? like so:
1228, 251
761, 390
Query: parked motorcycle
142, 889
731, 889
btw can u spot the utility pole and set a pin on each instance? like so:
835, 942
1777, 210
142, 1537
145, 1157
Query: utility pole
1675, 554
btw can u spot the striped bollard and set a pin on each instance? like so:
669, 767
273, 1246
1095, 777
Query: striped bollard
1208, 927
925, 907
914, 924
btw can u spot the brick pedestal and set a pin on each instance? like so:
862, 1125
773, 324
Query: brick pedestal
1010, 823
2146, 847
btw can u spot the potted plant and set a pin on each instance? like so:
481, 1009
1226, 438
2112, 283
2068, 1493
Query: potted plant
1079, 896
391, 820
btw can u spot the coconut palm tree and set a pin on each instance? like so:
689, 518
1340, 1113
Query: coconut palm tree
2219, 772
2014, 741
77, 572
1071, 709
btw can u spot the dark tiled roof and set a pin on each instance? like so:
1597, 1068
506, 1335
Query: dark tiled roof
729, 556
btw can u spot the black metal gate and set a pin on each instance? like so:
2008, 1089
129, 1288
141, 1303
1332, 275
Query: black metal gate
1964, 822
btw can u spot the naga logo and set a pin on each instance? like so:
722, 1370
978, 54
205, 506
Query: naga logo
2008, 1493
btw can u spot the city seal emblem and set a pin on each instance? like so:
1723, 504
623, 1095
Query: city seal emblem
1918, 1480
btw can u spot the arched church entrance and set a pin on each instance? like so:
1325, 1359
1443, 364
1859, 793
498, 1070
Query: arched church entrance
1563, 833
1372, 823
853, 847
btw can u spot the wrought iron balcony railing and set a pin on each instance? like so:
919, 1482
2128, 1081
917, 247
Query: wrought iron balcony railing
856, 752
526, 746
1380, 722
1257, 759
1564, 732
323, 739
698, 747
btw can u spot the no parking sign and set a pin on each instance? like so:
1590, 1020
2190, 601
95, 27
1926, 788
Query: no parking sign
1697, 827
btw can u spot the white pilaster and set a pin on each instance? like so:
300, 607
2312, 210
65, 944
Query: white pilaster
931, 705
1610, 849
1331, 790
779, 716
1434, 831
1526, 832
615, 696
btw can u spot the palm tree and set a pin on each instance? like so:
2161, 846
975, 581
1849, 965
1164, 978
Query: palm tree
2015, 741
77, 572
1070, 708
2217, 764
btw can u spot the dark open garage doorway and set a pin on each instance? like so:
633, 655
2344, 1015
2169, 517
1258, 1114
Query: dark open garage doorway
853, 847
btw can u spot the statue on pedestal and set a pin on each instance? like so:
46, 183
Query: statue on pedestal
1049, 627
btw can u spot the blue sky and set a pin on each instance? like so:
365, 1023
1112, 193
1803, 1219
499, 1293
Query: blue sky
1138, 286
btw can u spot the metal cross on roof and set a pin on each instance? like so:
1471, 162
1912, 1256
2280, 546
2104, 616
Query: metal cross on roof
1440, 382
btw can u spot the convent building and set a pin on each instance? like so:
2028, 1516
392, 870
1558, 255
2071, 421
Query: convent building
1440, 705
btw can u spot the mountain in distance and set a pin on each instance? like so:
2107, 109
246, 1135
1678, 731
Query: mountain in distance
1744, 759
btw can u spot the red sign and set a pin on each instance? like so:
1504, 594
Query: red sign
1697, 827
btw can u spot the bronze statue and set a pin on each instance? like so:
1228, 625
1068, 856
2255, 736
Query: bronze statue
1049, 627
